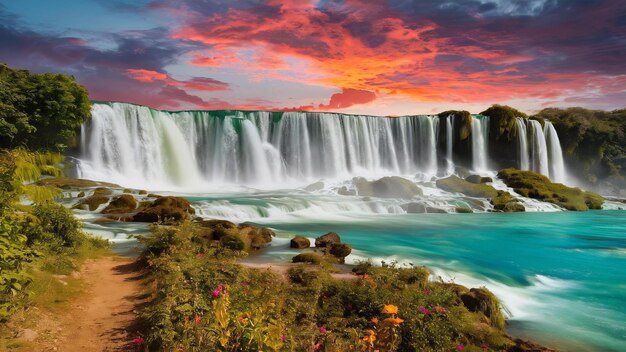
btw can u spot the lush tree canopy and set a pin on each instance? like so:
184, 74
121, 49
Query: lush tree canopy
40, 111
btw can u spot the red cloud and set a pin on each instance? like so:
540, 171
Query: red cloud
349, 97
146, 75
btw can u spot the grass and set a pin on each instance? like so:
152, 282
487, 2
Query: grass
533, 185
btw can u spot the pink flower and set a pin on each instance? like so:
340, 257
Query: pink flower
443, 310
216, 293
323, 330
459, 347
283, 338
424, 311
138, 340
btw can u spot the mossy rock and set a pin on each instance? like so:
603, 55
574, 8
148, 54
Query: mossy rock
152, 195
505, 202
73, 183
340, 251
235, 242
327, 239
463, 210
477, 179
417, 275
533, 185
80, 194
388, 187
308, 257
473, 179
462, 123
216, 229
142, 192
259, 237
91, 203
414, 208
482, 300
166, 209
122, 204
317, 186
344, 191
514, 207
435, 210
102, 191
127, 190
459, 185
503, 121
300, 242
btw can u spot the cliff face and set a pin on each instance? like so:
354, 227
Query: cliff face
594, 146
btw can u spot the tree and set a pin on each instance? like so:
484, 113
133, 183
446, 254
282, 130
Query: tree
40, 111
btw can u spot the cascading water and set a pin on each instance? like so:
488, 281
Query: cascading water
555, 154
522, 144
539, 149
449, 144
141, 147
479, 143
138, 146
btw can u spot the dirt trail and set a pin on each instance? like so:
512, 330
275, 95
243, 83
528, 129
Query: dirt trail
106, 318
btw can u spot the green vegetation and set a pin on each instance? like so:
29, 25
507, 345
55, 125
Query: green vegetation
202, 299
40, 111
534, 185
387, 187
459, 185
39, 239
502, 123
594, 144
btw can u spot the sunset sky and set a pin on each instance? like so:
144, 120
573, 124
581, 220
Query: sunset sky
355, 56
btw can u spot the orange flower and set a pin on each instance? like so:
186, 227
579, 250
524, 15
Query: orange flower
198, 318
371, 332
394, 321
375, 320
390, 309
369, 339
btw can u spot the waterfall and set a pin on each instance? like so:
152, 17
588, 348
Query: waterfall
449, 144
557, 166
479, 143
141, 147
135, 145
522, 144
539, 151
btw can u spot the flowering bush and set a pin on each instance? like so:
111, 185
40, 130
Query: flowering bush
209, 302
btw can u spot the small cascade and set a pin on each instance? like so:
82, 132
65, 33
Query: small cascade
555, 154
539, 149
479, 143
522, 144
449, 144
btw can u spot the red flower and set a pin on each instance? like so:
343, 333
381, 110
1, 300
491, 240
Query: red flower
138, 340
459, 347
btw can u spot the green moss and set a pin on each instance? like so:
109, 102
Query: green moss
463, 210
91, 203
502, 123
340, 251
533, 185
388, 187
482, 300
72, 183
459, 185
504, 201
124, 203
300, 242
166, 209
308, 257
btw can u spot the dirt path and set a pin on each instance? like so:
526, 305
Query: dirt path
106, 318
103, 318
